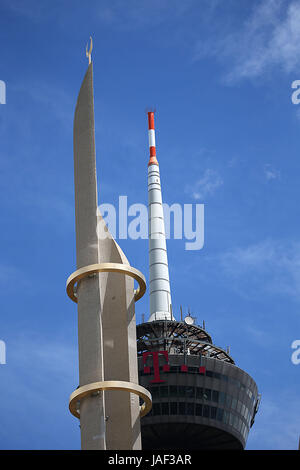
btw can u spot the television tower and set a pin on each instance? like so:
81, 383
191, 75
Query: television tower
201, 399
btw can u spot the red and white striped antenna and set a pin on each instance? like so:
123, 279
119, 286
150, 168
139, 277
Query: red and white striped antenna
160, 293
151, 134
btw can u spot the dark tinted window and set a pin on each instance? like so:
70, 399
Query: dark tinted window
164, 391
165, 408
181, 407
173, 408
222, 397
190, 392
213, 412
190, 408
228, 401
154, 392
215, 396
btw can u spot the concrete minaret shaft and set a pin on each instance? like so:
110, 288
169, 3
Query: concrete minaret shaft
160, 295
105, 294
90, 336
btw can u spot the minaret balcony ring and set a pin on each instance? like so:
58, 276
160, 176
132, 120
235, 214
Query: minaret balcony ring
86, 271
90, 389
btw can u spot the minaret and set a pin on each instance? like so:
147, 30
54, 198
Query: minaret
90, 340
107, 398
160, 295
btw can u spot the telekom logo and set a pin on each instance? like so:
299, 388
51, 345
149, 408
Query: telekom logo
166, 367
155, 355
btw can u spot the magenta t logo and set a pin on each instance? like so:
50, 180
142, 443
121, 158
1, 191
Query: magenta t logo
155, 355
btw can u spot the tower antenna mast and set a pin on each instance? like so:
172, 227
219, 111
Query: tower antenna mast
160, 294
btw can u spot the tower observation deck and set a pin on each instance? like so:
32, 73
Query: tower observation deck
201, 399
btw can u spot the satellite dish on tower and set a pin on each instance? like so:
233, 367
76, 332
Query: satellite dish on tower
189, 320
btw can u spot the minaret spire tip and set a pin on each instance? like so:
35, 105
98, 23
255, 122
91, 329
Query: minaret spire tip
89, 52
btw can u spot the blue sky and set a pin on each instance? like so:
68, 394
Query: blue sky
219, 73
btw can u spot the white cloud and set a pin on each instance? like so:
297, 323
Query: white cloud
11, 275
54, 99
277, 423
270, 172
269, 266
40, 373
139, 13
32, 10
270, 36
206, 185
44, 355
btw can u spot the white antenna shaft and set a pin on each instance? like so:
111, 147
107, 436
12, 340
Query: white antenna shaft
160, 295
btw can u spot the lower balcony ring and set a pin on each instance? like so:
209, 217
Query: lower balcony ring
106, 268
89, 389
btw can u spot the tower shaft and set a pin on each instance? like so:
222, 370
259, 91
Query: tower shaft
119, 348
92, 420
160, 295
106, 307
